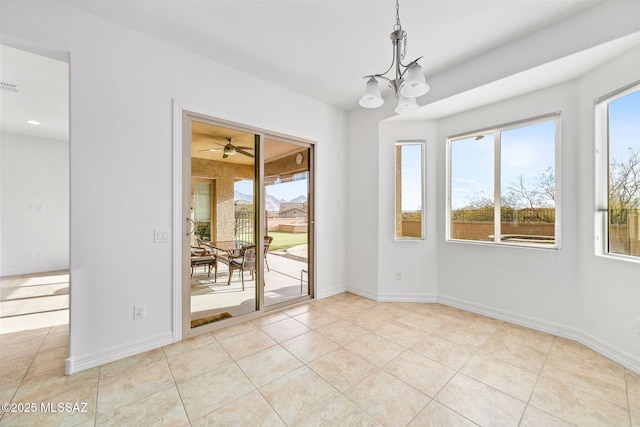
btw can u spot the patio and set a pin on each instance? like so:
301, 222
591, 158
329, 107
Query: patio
288, 269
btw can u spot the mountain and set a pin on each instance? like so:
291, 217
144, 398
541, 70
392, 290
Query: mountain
299, 199
273, 204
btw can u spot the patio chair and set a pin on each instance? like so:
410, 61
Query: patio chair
202, 255
246, 261
267, 243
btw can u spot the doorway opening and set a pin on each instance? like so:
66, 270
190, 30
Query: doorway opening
248, 208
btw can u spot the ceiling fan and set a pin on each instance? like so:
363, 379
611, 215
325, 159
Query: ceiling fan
231, 150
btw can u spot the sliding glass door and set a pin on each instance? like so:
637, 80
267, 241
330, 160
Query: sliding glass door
248, 209
288, 221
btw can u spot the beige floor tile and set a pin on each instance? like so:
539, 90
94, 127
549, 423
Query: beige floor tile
268, 319
480, 403
635, 419
526, 337
425, 323
344, 310
387, 399
298, 395
285, 329
7, 390
576, 352
53, 383
514, 354
509, 379
342, 368
480, 324
12, 348
246, 343
437, 415
57, 337
418, 371
390, 310
316, 318
361, 302
342, 332
34, 321
268, 365
214, 389
576, 407
162, 408
447, 353
534, 417
82, 409
47, 360
310, 346
633, 390
131, 363
461, 335
14, 370
340, 412
375, 349
133, 384
371, 321
401, 333
195, 362
250, 410
188, 344
294, 311
233, 330
595, 382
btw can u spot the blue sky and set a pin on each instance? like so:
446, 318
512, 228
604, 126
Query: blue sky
526, 151
624, 121
411, 177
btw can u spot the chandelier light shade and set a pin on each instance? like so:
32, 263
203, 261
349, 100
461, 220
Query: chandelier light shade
409, 81
406, 104
371, 97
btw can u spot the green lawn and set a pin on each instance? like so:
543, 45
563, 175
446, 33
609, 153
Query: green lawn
283, 240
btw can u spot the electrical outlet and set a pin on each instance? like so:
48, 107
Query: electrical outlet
138, 312
398, 275
160, 236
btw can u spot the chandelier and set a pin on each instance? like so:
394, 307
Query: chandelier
409, 82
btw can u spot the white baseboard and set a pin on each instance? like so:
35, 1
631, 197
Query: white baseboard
33, 270
400, 297
362, 292
625, 359
81, 363
325, 293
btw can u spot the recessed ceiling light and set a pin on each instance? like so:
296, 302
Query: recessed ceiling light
33, 122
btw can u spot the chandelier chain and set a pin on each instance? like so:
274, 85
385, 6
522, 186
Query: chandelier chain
398, 27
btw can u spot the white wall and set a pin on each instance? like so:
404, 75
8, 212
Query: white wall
414, 259
122, 87
35, 204
569, 291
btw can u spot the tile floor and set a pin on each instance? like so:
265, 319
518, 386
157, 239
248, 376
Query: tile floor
340, 361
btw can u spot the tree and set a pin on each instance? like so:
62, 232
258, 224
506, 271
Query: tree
624, 186
542, 195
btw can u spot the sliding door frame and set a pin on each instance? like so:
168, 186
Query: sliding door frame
182, 181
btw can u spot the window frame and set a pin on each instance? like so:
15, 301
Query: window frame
556, 117
398, 182
602, 170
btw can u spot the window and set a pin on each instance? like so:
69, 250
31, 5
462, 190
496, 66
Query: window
409, 190
618, 170
502, 182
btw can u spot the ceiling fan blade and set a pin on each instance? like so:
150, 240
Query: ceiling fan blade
244, 148
244, 152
